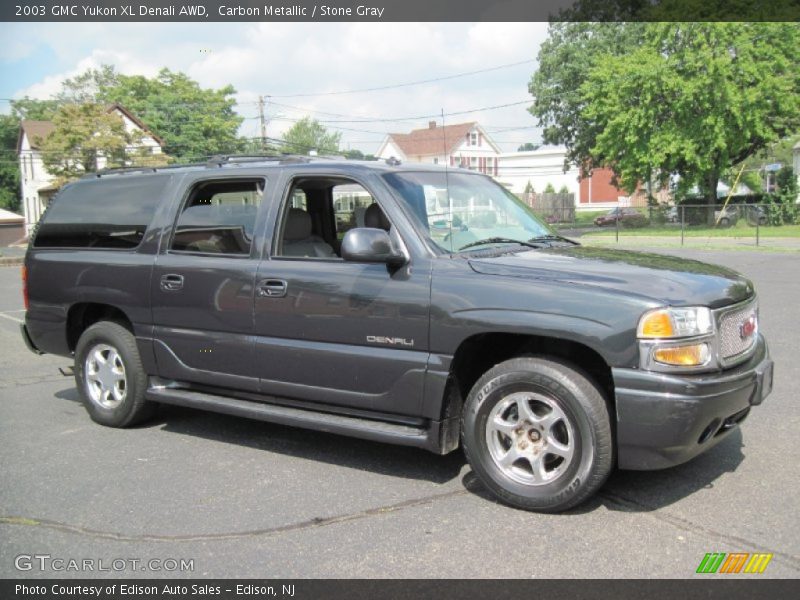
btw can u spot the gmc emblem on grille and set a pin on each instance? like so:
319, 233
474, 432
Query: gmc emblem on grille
748, 327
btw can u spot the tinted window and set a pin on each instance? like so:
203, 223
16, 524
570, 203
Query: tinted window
219, 217
102, 213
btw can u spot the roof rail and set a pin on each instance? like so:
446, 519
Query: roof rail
226, 159
213, 162
129, 170
118, 171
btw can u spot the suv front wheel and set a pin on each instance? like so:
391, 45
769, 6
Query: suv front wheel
110, 377
537, 434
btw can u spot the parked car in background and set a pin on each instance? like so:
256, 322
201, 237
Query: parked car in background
755, 214
629, 216
672, 215
726, 216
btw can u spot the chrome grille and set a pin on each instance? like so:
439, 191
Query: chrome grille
732, 344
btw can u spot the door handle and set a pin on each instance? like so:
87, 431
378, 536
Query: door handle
271, 288
171, 282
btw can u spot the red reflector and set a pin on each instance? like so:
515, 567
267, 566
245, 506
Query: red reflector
25, 287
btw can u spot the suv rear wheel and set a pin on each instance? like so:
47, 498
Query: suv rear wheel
110, 377
537, 433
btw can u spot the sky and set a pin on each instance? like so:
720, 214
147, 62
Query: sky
294, 62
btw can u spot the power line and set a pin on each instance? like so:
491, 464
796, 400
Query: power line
398, 119
407, 84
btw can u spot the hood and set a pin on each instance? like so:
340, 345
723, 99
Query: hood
667, 280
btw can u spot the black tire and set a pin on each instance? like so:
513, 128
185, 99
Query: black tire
724, 222
553, 385
130, 407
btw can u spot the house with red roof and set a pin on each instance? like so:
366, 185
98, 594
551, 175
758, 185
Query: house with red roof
464, 145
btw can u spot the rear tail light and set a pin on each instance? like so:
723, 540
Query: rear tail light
25, 286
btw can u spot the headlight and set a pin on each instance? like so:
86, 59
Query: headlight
669, 323
676, 338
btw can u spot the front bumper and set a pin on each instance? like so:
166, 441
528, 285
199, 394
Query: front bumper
664, 420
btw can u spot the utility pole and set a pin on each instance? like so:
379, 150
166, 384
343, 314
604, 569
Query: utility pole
263, 123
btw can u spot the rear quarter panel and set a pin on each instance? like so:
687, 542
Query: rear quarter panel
60, 279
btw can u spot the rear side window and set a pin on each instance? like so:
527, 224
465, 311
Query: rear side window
219, 217
101, 213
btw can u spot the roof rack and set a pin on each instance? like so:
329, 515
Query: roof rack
227, 159
213, 162
129, 170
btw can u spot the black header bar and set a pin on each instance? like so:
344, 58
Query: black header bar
715, 588
397, 10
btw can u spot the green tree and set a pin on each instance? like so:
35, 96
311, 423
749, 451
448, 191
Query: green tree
655, 99
783, 208
549, 189
194, 122
529, 188
528, 147
255, 146
680, 10
91, 86
565, 61
354, 154
33, 109
694, 99
563, 190
778, 152
9, 166
85, 133
307, 135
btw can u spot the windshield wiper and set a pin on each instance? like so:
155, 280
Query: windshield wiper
553, 238
500, 240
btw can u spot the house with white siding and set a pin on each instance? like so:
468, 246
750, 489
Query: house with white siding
37, 182
546, 165
539, 167
464, 145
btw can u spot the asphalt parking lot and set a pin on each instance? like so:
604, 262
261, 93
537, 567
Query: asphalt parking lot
248, 499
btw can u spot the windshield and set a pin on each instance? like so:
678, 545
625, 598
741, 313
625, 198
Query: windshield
460, 212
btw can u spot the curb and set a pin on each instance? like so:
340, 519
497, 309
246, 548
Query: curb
11, 261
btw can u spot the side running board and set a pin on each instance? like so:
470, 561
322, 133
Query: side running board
367, 429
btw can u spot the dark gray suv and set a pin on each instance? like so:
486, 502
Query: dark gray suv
405, 304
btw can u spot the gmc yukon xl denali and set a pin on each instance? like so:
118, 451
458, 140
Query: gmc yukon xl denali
412, 305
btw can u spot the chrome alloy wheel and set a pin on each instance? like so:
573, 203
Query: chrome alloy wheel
530, 438
105, 376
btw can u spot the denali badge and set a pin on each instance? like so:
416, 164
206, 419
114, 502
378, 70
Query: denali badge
392, 341
748, 327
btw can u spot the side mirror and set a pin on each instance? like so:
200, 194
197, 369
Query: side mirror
364, 244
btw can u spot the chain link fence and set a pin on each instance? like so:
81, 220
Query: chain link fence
684, 221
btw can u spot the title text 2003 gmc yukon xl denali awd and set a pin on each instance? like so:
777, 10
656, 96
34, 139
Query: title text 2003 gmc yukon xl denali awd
404, 304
